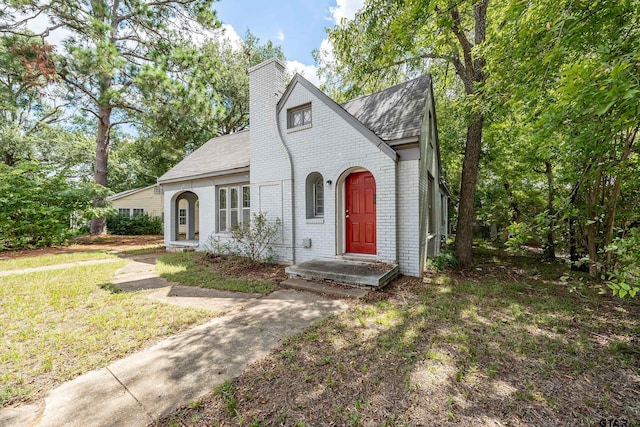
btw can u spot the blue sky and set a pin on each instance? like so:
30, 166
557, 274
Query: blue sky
296, 25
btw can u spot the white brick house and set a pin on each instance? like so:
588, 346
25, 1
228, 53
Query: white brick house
362, 179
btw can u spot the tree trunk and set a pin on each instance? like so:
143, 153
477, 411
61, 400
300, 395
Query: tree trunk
515, 210
549, 253
466, 208
99, 225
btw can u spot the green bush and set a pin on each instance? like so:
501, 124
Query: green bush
134, 226
253, 241
37, 205
624, 274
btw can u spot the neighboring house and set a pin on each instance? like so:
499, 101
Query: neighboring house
147, 200
362, 179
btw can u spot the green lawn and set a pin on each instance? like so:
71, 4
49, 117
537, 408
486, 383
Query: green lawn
59, 324
227, 273
46, 260
514, 341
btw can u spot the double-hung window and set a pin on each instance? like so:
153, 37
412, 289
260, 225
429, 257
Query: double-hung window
124, 212
234, 204
137, 212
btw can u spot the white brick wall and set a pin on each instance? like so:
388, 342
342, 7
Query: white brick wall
408, 218
332, 147
270, 165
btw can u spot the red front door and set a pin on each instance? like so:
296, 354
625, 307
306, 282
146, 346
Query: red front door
360, 213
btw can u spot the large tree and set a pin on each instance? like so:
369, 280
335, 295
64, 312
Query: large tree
111, 42
391, 37
571, 70
203, 94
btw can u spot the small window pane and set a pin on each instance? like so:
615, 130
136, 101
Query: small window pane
246, 196
234, 217
223, 198
319, 198
223, 220
234, 197
246, 216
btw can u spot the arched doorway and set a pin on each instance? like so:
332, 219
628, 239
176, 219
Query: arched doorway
357, 222
186, 217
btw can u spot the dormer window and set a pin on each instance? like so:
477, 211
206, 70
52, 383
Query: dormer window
299, 116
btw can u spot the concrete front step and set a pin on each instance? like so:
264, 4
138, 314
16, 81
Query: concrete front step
323, 288
345, 272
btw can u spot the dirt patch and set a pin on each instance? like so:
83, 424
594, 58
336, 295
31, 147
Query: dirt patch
233, 266
84, 243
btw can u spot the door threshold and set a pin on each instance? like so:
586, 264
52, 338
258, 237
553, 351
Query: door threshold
358, 257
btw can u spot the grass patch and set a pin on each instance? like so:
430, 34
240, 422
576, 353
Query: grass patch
223, 273
59, 324
46, 260
504, 344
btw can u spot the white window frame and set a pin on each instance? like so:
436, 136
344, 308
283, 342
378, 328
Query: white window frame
182, 219
241, 205
124, 212
299, 117
137, 211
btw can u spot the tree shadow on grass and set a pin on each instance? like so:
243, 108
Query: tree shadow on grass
508, 348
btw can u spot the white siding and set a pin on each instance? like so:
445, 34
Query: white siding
144, 199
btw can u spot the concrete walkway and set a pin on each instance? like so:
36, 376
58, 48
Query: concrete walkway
57, 266
136, 390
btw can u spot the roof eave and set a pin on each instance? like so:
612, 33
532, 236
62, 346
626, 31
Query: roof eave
129, 192
204, 175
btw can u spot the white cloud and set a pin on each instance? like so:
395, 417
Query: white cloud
40, 23
345, 9
226, 31
280, 36
326, 51
309, 72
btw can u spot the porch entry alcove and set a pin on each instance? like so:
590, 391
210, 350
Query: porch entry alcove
185, 221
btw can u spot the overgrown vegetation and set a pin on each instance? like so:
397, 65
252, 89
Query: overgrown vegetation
59, 324
38, 205
223, 272
504, 344
137, 225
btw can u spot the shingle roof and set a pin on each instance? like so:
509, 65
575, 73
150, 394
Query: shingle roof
218, 155
394, 113
128, 192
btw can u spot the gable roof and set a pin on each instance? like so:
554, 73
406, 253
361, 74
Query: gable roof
129, 192
358, 125
221, 155
394, 113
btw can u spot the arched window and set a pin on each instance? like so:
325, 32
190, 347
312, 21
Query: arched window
315, 195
